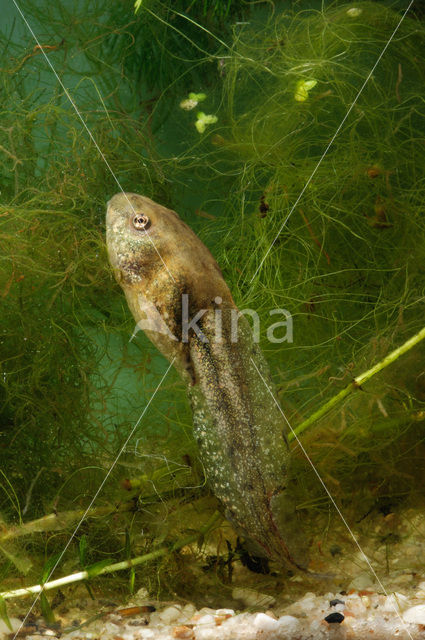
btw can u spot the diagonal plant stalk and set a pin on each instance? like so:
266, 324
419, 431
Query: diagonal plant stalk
357, 382
55, 522
117, 566
163, 551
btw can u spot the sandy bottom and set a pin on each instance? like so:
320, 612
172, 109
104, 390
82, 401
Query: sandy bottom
381, 598
358, 615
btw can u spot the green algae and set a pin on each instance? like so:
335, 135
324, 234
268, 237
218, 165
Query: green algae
347, 264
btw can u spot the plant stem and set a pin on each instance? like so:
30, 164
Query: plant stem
357, 382
117, 566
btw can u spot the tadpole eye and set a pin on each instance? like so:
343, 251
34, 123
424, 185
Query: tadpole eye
141, 221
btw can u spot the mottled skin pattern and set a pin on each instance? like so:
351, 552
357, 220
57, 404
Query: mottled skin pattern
238, 428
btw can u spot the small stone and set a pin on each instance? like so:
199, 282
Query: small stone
206, 619
188, 611
170, 614
112, 628
415, 614
204, 611
335, 617
264, 622
289, 625
155, 618
183, 632
355, 605
308, 602
336, 601
225, 612
205, 633
220, 619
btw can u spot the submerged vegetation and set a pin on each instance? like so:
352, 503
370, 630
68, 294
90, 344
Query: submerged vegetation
303, 207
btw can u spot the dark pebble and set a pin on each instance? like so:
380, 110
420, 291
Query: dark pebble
333, 603
335, 617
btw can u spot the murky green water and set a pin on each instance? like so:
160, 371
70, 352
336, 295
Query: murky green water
306, 183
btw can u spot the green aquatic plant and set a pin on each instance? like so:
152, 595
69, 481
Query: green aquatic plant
324, 160
192, 101
302, 89
203, 120
304, 209
65, 355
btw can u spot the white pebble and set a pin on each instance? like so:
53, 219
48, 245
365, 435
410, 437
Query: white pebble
205, 633
112, 628
289, 624
207, 619
225, 612
308, 602
355, 604
415, 614
205, 610
154, 619
264, 622
170, 614
188, 611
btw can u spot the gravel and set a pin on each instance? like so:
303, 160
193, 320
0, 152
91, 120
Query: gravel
348, 616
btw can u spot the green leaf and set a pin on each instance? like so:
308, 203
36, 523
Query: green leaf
48, 567
46, 609
203, 119
3, 613
17, 557
132, 580
199, 97
89, 589
82, 549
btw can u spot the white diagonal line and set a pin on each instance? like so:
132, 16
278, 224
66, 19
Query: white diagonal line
338, 510
332, 139
92, 138
92, 501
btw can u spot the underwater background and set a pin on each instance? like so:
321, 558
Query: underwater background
335, 238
